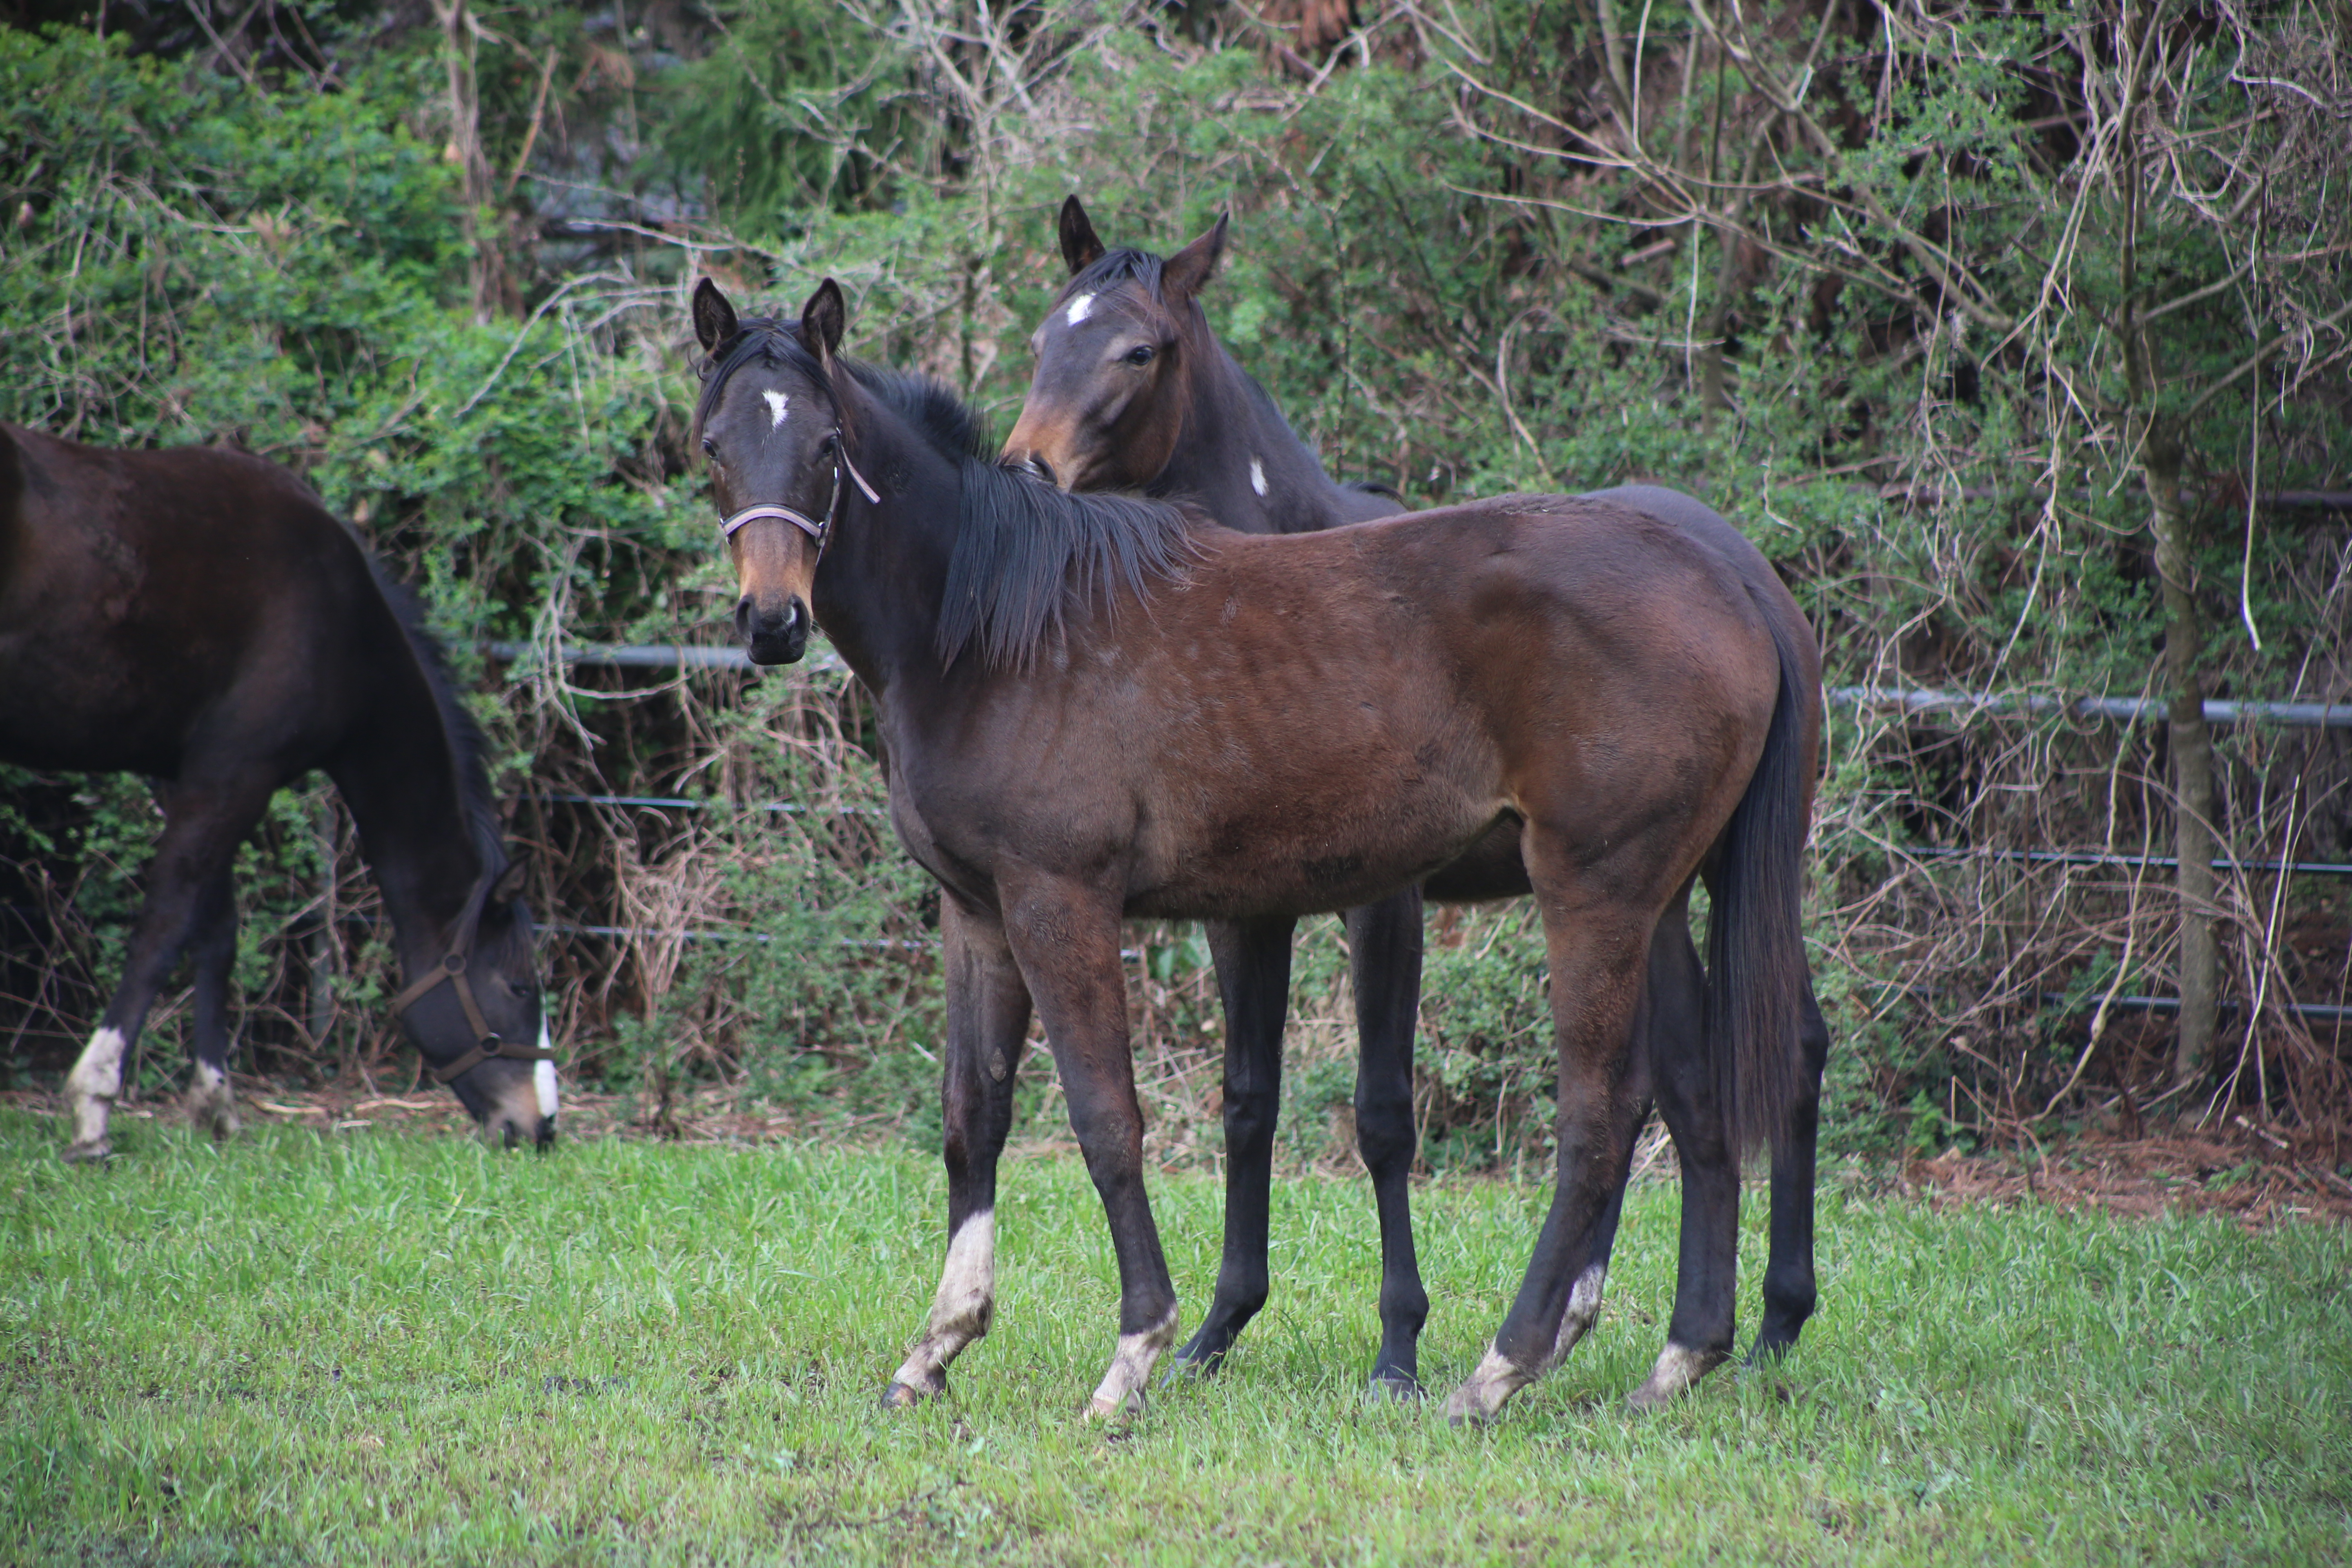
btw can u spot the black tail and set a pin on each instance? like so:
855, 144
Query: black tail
1755, 937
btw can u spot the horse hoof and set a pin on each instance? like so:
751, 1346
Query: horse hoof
88, 1153
1485, 1392
1677, 1370
906, 1395
1394, 1388
1183, 1369
1101, 1409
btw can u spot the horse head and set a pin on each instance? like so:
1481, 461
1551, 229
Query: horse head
777, 463
474, 1013
1115, 355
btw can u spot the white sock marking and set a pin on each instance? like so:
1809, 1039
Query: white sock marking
1583, 1307
1483, 1392
96, 1079
542, 1077
1078, 309
962, 1310
1130, 1368
777, 403
1258, 476
1678, 1368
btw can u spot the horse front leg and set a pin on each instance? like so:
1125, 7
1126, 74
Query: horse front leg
988, 1021
1597, 960
210, 1103
1065, 935
1384, 959
203, 825
1252, 959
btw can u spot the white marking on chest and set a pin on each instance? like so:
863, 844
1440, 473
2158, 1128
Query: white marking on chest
1258, 476
1078, 310
778, 404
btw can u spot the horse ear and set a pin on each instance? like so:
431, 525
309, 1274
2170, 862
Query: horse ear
1189, 270
714, 317
510, 885
822, 318
1081, 247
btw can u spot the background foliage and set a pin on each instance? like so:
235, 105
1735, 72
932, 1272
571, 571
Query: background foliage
1904, 289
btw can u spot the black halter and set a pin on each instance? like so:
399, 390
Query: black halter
817, 528
452, 969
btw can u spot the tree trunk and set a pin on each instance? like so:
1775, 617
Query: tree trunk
2192, 757
487, 271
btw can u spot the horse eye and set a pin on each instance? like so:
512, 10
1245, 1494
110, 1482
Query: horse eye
1141, 353
710, 447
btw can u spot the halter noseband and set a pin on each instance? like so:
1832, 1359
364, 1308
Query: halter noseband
452, 969
817, 528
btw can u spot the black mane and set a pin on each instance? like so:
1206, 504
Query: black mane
475, 803
1024, 551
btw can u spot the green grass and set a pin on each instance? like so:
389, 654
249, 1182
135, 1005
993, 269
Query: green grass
370, 1347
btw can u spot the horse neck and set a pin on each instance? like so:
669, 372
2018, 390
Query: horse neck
884, 575
1229, 424
400, 778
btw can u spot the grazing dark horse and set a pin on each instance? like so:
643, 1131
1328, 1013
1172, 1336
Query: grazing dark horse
1098, 708
1133, 391
198, 616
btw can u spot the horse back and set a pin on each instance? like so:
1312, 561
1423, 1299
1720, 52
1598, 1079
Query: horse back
146, 595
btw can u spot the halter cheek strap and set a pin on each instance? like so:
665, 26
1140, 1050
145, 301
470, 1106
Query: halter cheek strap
452, 970
817, 528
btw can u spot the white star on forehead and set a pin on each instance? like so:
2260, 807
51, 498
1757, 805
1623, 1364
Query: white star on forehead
1078, 309
777, 403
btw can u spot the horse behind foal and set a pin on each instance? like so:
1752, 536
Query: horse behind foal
1098, 708
1133, 392
196, 615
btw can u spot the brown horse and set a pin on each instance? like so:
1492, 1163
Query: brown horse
1097, 708
1133, 391
196, 615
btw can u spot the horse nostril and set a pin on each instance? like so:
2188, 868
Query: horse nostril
743, 616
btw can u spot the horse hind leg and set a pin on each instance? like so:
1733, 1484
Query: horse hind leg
210, 1104
1384, 947
1788, 1289
1252, 960
988, 1020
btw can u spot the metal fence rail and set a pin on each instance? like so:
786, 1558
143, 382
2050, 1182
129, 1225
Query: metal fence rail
2128, 710
2217, 711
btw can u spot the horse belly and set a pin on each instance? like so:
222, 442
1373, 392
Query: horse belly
1276, 850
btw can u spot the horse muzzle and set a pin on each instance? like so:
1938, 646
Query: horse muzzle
773, 631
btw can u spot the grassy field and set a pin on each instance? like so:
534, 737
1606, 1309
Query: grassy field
376, 1347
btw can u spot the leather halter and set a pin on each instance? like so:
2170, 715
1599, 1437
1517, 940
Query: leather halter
452, 970
817, 528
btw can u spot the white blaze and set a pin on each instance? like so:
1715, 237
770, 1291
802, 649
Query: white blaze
1258, 476
777, 403
1078, 309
